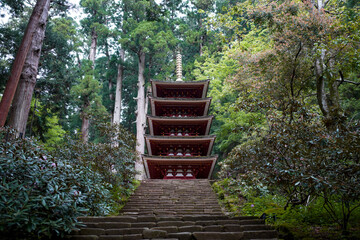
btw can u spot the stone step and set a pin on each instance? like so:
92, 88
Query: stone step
196, 235
150, 218
178, 209
253, 224
174, 209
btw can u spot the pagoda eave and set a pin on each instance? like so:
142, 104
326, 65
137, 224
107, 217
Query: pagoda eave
154, 164
203, 122
201, 105
206, 142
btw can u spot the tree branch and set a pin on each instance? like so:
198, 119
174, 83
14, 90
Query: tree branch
347, 81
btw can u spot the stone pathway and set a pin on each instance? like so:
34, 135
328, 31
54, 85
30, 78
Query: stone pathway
173, 210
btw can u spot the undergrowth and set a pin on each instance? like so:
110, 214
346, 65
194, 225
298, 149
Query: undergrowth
309, 221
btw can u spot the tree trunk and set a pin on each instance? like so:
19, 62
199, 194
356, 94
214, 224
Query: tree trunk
329, 103
84, 116
85, 123
140, 118
118, 96
22, 100
320, 87
110, 82
21, 55
93, 47
148, 92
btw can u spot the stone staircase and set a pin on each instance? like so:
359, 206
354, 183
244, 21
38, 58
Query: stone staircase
173, 210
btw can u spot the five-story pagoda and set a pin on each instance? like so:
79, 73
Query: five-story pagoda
178, 144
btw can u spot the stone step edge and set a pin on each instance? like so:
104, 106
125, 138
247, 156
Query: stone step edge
268, 234
132, 218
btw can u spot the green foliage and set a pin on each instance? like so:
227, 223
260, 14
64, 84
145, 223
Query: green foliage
42, 195
310, 221
302, 159
113, 158
54, 134
121, 194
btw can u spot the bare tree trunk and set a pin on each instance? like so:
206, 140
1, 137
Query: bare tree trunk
140, 118
110, 83
18, 64
93, 47
329, 103
22, 100
118, 96
320, 86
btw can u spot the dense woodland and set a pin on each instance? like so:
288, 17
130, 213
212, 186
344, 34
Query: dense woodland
285, 87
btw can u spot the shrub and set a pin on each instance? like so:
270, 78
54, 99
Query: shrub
302, 158
114, 158
41, 195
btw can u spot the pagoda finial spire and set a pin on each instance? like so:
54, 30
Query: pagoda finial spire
178, 67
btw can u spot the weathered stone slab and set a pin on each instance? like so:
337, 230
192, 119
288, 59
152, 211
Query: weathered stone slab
169, 229
108, 219
150, 233
233, 228
170, 223
181, 236
143, 224
107, 225
111, 237
149, 218
193, 228
122, 231
217, 235
91, 231
83, 237
223, 222
260, 234
168, 218
132, 237
206, 223
213, 228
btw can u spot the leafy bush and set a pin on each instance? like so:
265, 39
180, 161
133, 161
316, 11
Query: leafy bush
41, 195
302, 159
113, 158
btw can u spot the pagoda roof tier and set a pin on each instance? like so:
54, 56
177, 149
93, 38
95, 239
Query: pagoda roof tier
196, 89
179, 126
183, 168
179, 146
179, 107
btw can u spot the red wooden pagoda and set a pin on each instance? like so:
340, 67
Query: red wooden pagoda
178, 144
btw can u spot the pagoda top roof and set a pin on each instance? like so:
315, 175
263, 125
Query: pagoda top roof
192, 88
